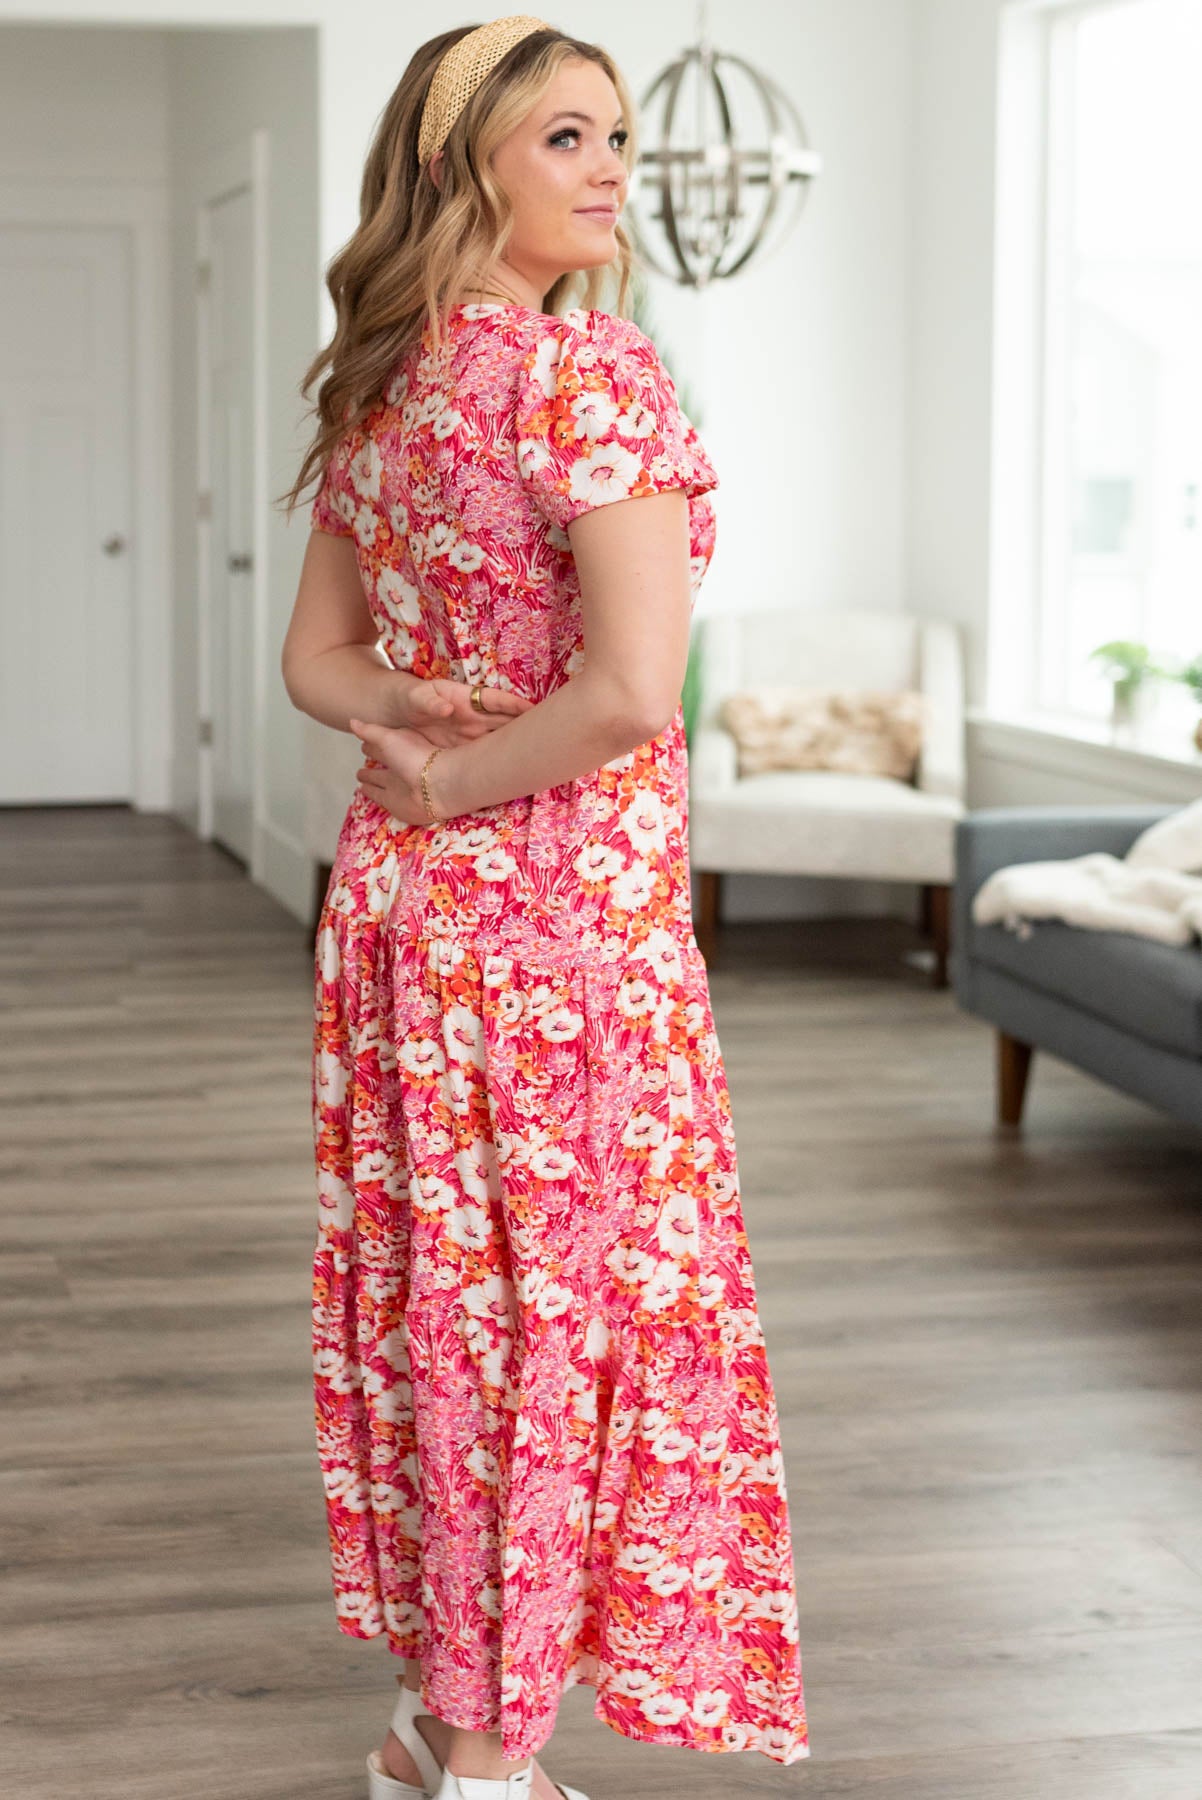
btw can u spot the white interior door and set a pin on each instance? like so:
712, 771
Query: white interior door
230, 412
66, 599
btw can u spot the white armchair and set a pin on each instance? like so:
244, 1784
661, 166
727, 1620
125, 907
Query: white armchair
818, 822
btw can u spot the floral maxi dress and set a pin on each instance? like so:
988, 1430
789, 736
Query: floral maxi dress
546, 1426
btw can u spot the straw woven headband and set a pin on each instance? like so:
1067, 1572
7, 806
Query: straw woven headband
461, 70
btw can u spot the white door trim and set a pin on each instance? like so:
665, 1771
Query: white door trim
141, 209
241, 164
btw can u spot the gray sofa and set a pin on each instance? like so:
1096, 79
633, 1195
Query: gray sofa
1121, 1007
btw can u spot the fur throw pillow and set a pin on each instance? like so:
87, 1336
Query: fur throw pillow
855, 732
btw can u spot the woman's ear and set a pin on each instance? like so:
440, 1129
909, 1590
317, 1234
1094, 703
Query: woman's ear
436, 168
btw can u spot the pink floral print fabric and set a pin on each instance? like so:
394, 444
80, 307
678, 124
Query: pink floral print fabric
546, 1424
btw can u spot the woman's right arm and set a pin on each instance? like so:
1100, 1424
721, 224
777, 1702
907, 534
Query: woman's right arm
632, 560
330, 662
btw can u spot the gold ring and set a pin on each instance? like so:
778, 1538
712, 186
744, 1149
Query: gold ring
476, 699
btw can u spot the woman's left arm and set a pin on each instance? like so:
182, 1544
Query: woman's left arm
334, 670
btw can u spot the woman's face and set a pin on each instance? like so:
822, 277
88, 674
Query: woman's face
554, 169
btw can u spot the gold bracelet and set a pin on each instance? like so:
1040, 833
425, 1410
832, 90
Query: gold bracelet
429, 804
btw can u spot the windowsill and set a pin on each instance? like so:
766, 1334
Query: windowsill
1148, 749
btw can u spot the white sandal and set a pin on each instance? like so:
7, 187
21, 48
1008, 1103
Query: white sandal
510, 1787
440, 1783
380, 1784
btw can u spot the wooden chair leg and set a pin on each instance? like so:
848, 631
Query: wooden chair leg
1013, 1067
939, 907
709, 915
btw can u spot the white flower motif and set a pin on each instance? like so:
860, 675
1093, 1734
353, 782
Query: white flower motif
663, 1286
512, 1008
711, 1446
545, 364
598, 862
463, 1034
710, 1706
430, 1194
593, 414
335, 1368
672, 1445
561, 1025
708, 1571
495, 865
629, 1264
643, 1131
636, 998
639, 1559
533, 454
552, 1162
635, 886
421, 1057
668, 1579
676, 1227
634, 1683
553, 1300
349, 1488
607, 473
398, 597
332, 1075
665, 1709
481, 1463
365, 469
662, 951
469, 1226
642, 820
465, 556
638, 421
493, 1298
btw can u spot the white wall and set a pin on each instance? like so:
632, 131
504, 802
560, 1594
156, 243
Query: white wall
948, 455
843, 385
222, 85
799, 366
87, 104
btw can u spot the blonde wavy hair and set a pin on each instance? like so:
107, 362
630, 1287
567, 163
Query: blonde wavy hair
419, 247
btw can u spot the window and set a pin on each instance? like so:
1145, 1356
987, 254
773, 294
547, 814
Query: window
1118, 551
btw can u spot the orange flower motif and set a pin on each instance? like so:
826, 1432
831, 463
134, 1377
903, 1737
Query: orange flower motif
756, 1526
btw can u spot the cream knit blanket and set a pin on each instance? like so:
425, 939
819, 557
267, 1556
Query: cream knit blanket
1154, 891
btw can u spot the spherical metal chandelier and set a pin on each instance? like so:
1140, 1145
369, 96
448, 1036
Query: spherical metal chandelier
713, 195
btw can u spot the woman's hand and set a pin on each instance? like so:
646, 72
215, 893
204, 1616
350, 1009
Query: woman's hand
442, 710
396, 795
391, 776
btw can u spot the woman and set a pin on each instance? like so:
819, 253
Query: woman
546, 1424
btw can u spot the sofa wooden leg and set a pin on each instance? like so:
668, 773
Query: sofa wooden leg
1013, 1067
938, 909
709, 915
321, 881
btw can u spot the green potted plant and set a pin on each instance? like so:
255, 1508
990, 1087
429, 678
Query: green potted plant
1191, 676
1129, 666
690, 697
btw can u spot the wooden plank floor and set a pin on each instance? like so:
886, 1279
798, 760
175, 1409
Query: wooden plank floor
988, 1358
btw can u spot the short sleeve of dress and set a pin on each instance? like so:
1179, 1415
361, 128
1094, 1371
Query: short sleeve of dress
598, 420
334, 508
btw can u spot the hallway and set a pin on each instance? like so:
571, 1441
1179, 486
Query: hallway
988, 1359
